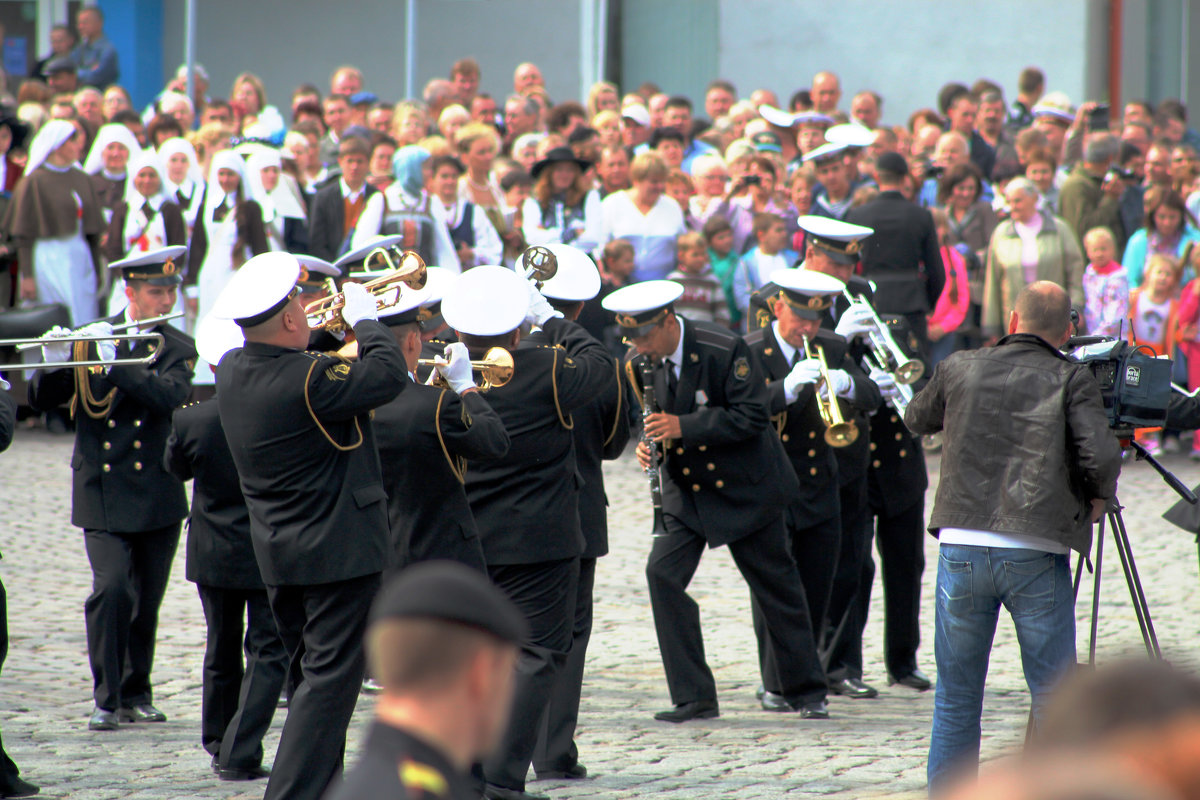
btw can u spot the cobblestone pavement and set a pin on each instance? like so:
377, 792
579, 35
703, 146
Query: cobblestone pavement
869, 748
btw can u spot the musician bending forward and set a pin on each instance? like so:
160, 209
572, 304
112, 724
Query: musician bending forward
726, 480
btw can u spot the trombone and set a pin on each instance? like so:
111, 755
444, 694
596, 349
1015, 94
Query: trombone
28, 344
496, 368
888, 354
95, 362
326, 313
838, 432
540, 264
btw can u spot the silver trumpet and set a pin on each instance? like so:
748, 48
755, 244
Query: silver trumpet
888, 354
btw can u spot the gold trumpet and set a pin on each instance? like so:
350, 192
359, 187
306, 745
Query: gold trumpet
496, 368
838, 432
540, 264
326, 313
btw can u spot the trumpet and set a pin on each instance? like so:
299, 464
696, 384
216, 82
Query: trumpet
888, 354
93, 362
838, 432
496, 368
28, 344
904, 392
540, 264
326, 313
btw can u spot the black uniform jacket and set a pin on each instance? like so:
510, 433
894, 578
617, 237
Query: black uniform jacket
852, 461
219, 550
526, 504
427, 435
902, 255
119, 483
318, 511
800, 426
729, 460
601, 432
397, 765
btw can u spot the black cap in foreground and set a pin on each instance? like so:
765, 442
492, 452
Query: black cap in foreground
447, 590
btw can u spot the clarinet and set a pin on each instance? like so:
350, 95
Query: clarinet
650, 406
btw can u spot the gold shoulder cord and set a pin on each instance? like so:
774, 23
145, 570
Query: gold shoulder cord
457, 465
637, 390
780, 421
340, 447
567, 422
620, 404
96, 409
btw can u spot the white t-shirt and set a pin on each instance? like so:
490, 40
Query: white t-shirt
1017, 541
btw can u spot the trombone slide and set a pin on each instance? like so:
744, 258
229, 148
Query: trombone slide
117, 362
28, 344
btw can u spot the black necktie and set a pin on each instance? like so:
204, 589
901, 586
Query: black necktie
672, 381
797, 356
220, 213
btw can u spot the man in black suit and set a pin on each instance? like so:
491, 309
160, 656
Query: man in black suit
726, 480
122, 418
299, 429
797, 301
601, 431
526, 504
238, 702
902, 256
337, 206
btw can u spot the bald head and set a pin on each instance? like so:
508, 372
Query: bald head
1043, 309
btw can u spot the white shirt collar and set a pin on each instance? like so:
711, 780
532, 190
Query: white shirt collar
786, 349
349, 195
677, 356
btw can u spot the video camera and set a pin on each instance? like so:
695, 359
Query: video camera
1135, 384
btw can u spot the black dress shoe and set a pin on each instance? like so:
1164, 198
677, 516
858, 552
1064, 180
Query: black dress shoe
814, 710
913, 680
103, 720
775, 702
493, 792
243, 773
574, 772
216, 768
853, 688
141, 713
699, 709
18, 788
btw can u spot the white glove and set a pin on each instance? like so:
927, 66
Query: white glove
857, 321
106, 350
52, 353
841, 384
886, 384
456, 368
540, 309
358, 304
806, 372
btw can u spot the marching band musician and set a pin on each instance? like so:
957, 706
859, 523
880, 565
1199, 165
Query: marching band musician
122, 418
526, 504
237, 702
727, 480
300, 433
427, 436
797, 306
601, 431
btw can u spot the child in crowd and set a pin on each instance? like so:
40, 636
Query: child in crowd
718, 235
517, 185
1153, 314
1105, 285
703, 298
771, 253
951, 309
616, 267
680, 189
1187, 332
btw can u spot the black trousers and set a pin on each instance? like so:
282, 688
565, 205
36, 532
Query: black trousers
545, 593
900, 539
555, 749
842, 640
8, 768
129, 578
815, 551
322, 626
764, 561
238, 702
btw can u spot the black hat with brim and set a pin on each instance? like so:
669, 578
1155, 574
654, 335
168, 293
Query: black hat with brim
559, 155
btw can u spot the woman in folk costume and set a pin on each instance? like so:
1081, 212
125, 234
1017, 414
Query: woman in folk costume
277, 193
108, 163
145, 220
405, 208
228, 233
185, 181
13, 134
57, 223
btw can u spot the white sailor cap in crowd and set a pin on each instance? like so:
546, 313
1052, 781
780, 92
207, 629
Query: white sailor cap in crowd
1055, 105
407, 309
826, 152
355, 257
314, 272
577, 277
641, 306
850, 134
259, 290
807, 292
786, 119
637, 113
156, 267
486, 301
215, 337
842, 241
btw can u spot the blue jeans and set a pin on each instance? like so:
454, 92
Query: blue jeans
972, 583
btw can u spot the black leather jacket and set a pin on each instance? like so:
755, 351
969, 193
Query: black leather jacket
1027, 443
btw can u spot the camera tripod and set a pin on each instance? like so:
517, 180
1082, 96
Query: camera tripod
1115, 523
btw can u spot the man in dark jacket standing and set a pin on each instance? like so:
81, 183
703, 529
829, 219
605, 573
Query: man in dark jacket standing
1028, 464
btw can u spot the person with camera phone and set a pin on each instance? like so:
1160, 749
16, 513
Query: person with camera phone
1028, 464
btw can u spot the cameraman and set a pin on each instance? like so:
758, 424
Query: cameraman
1028, 464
